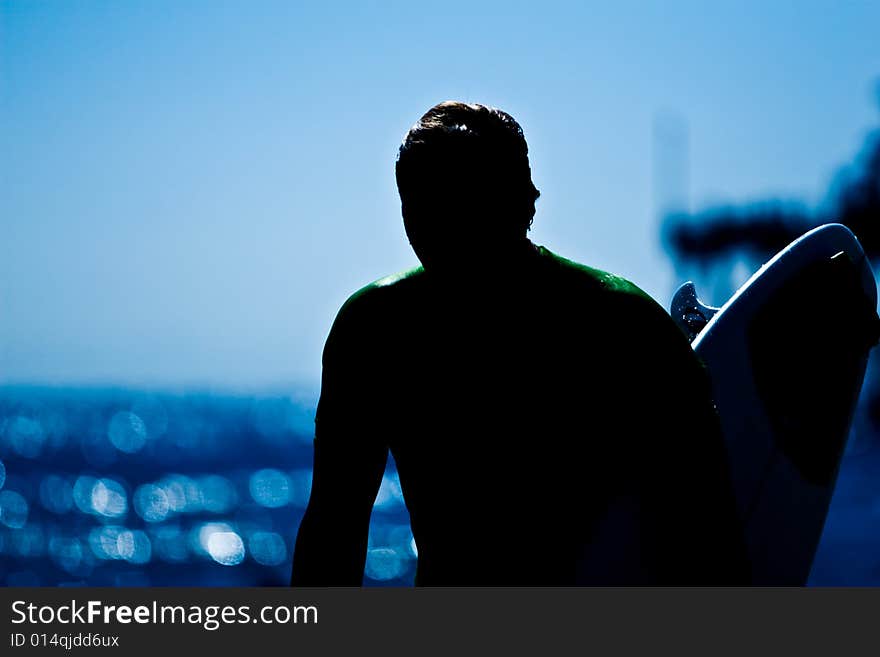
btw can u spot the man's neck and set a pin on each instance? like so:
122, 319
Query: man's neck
497, 268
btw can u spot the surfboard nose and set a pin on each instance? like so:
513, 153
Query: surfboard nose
851, 267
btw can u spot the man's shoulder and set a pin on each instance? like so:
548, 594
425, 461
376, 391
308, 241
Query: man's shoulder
613, 285
631, 311
402, 281
382, 291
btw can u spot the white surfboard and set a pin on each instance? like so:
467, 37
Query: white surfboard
787, 356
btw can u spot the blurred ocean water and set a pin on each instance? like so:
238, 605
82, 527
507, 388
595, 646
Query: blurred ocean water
115, 487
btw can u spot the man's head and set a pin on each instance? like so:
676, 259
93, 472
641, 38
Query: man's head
465, 184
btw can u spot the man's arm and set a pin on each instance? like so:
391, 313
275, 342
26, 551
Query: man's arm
349, 462
693, 533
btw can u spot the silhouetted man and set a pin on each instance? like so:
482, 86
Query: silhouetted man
550, 423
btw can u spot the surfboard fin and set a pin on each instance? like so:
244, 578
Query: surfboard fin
689, 312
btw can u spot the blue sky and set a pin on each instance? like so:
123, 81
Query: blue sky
189, 190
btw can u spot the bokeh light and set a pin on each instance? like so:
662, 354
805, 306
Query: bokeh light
133, 546
267, 548
384, 564
104, 541
26, 436
151, 503
109, 498
82, 493
270, 488
226, 548
13, 509
201, 534
127, 432
184, 495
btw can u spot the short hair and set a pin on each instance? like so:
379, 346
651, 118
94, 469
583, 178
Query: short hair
453, 133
